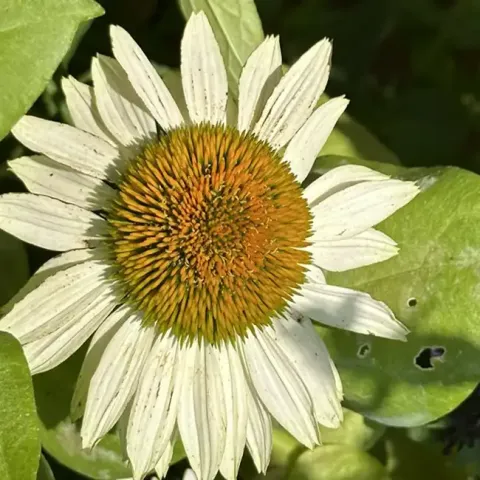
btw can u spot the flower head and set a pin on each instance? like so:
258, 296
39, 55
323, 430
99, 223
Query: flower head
192, 254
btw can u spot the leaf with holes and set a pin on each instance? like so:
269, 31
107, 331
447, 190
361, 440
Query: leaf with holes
19, 442
433, 286
34, 37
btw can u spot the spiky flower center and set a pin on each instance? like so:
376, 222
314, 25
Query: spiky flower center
207, 233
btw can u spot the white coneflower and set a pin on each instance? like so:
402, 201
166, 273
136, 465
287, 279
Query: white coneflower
193, 255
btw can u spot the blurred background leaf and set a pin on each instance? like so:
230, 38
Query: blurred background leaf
34, 37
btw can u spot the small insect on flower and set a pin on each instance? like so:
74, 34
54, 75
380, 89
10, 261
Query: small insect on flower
190, 251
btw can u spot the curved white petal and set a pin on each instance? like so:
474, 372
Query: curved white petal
309, 356
44, 176
52, 266
121, 109
46, 352
145, 80
201, 417
366, 248
259, 76
338, 179
314, 274
116, 378
359, 207
47, 222
81, 104
96, 348
280, 387
204, 78
163, 464
295, 96
235, 394
259, 431
155, 405
348, 309
57, 301
304, 147
69, 146
189, 474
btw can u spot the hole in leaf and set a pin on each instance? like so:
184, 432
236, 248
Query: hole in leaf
412, 302
363, 351
426, 355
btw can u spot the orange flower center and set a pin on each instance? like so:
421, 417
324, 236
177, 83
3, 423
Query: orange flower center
207, 233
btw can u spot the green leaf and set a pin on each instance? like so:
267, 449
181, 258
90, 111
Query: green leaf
44, 470
237, 28
408, 460
337, 462
14, 271
355, 430
34, 37
19, 441
433, 287
61, 437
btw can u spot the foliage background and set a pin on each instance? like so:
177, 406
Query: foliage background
412, 71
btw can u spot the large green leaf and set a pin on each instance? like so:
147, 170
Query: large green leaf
433, 286
337, 462
19, 440
34, 37
237, 28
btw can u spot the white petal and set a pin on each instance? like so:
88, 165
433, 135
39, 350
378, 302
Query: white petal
262, 70
309, 356
338, 179
145, 80
201, 417
155, 405
48, 223
235, 394
44, 176
69, 146
295, 97
55, 302
366, 248
81, 104
259, 431
189, 474
115, 380
359, 207
279, 387
204, 78
52, 266
349, 310
50, 350
302, 151
314, 274
96, 348
163, 464
121, 109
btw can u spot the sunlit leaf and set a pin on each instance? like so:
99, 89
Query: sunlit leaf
19, 440
433, 286
34, 37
